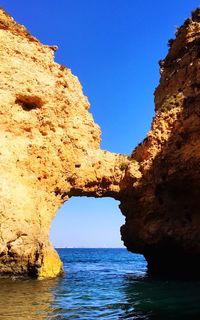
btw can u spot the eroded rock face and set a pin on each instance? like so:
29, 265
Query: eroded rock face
49, 151
162, 213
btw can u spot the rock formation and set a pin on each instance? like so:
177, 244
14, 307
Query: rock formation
163, 211
49, 151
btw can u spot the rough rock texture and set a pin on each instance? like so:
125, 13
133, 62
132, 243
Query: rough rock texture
163, 212
50, 152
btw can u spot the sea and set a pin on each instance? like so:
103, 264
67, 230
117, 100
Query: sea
100, 284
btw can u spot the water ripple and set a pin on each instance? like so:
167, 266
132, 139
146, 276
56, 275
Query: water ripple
100, 284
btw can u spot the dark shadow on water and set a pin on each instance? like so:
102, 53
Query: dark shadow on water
159, 299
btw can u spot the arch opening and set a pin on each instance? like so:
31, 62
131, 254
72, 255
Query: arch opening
86, 222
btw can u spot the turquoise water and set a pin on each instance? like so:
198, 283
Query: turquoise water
100, 284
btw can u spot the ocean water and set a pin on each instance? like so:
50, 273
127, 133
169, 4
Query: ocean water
100, 284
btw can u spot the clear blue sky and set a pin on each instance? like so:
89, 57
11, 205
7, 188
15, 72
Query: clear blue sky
113, 46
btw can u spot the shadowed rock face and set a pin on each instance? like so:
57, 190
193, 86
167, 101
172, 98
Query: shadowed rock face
162, 213
50, 152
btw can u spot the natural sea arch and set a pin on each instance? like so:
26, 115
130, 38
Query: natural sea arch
50, 152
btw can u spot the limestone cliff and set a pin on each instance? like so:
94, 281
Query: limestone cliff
162, 213
50, 152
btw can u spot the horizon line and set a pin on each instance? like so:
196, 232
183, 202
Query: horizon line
90, 247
